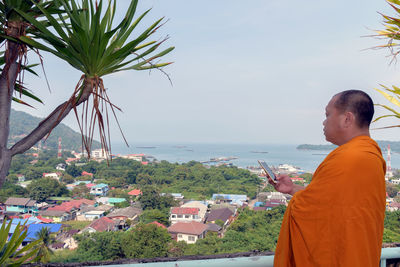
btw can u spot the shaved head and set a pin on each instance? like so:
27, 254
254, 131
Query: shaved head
357, 102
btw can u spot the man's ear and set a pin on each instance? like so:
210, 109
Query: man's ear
349, 119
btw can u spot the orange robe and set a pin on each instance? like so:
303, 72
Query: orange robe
337, 220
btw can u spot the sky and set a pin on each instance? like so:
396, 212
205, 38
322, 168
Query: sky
244, 72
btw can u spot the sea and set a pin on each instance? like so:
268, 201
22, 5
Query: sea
244, 155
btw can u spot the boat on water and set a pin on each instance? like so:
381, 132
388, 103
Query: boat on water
220, 159
260, 152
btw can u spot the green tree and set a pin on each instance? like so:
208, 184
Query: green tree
80, 190
45, 240
43, 188
12, 190
73, 170
152, 215
151, 199
100, 246
146, 241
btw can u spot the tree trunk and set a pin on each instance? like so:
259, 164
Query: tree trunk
41, 130
7, 84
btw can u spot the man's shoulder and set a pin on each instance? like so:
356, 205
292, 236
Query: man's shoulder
361, 145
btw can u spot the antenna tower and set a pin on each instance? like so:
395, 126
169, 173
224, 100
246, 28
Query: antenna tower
59, 148
389, 173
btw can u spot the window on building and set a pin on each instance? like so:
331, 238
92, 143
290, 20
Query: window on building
187, 216
173, 216
191, 238
179, 216
179, 236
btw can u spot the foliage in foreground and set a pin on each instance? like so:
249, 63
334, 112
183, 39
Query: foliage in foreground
10, 255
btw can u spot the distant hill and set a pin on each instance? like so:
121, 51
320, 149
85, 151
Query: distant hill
21, 123
394, 146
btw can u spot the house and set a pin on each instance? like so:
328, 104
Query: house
68, 161
189, 232
135, 192
213, 227
99, 190
176, 196
137, 157
61, 166
269, 205
89, 213
93, 215
110, 200
54, 175
33, 229
237, 200
67, 210
395, 181
272, 196
393, 206
223, 214
84, 173
297, 179
21, 205
179, 214
130, 213
57, 215
21, 178
104, 224
201, 205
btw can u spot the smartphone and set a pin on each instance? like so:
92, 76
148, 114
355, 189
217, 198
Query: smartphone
267, 169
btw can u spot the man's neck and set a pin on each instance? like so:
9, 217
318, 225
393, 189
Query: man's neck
351, 135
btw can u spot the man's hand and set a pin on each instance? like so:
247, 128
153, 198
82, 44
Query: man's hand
284, 184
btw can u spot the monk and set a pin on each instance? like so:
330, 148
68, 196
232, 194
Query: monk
337, 220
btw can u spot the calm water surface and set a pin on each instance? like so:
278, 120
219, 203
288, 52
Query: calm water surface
247, 154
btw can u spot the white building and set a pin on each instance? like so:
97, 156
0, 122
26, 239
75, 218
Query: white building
179, 214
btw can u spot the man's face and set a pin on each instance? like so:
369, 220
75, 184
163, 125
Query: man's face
333, 129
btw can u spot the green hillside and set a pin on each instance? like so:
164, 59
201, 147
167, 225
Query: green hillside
22, 123
394, 146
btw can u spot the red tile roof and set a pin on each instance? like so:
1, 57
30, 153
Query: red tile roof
44, 219
191, 228
102, 224
135, 192
87, 173
73, 204
158, 224
178, 210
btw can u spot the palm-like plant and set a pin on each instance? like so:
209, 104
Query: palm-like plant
43, 247
9, 253
90, 42
391, 33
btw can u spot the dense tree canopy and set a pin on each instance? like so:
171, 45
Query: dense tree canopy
43, 188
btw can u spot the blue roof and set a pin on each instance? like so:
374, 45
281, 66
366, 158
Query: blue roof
35, 228
116, 199
80, 182
230, 196
101, 185
30, 220
258, 204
